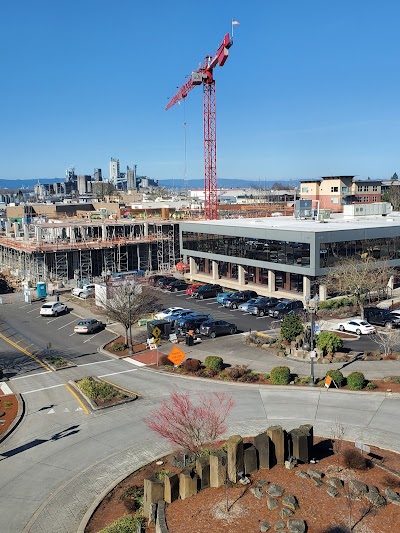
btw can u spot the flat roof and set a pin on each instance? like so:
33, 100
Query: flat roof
336, 223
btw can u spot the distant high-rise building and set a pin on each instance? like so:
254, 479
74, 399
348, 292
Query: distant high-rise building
97, 176
131, 178
70, 176
114, 171
84, 184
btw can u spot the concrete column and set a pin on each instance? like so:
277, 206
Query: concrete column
306, 287
146, 229
16, 229
391, 284
257, 276
322, 293
241, 276
104, 232
26, 232
8, 228
193, 266
271, 281
39, 236
215, 273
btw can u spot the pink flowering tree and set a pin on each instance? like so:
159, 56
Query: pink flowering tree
191, 424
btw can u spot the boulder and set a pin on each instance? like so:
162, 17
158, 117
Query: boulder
392, 496
286, 512
332, 491
279, 525
335, 482
262, 483
264, 526
296, 525
302, 474
316, 474
275, 490
290, 501
272, 503
373, 488
256, 492
357, 487
375, 498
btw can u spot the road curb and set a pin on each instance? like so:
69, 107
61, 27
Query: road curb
18, 419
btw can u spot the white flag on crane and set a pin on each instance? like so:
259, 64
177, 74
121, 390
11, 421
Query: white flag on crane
235, 22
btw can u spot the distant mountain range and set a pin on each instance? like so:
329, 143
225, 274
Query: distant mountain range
226, 183
171, 183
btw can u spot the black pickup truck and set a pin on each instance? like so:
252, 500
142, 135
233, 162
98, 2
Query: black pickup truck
381, 317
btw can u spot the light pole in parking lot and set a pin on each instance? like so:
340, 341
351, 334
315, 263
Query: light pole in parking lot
312, 306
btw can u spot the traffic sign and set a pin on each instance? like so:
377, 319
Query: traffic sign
176, 356
156, 332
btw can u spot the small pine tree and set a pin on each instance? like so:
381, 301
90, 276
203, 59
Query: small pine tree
292, 326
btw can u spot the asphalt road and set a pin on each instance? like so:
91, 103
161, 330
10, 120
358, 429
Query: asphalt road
22, 325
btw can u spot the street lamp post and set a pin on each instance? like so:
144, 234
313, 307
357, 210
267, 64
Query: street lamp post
312, 306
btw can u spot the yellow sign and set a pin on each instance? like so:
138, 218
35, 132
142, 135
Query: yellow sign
156, 332
176, 355
328, 381
157, 340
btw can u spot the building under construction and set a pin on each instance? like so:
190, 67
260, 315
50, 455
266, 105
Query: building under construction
63, 250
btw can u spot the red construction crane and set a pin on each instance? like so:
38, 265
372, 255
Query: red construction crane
204, 76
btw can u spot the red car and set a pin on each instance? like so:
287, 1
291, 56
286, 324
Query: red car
191, 288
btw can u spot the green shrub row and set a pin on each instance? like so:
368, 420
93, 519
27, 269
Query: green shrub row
280, 375
126, 524
97, 390
337, 303
355, 380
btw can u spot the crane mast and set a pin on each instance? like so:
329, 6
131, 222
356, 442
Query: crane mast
204, 76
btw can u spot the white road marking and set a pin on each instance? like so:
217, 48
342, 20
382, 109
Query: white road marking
72, 334
69, 323
44, 388
53, 319
51, 412
133, 361
6, 389
211, 303
98, 362
115, 373
23, 306
87, 340
32, 311
31, 375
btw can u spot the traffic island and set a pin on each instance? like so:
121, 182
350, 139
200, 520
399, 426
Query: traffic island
58, 363
100, 394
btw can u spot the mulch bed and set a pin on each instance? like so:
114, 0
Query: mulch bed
137, 347
8, 413
207, 510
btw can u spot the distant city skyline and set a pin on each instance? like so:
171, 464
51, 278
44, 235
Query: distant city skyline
309, 89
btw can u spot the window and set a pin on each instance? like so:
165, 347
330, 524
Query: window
375, 188
366, 199
358, 198
345, 189
334, 200
374, 198
304, 189
334, 189
359, 188
366, 188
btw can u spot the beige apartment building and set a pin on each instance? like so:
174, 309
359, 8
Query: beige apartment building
334, 192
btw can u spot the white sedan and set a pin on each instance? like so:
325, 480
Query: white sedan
167, 312
361, 327
53, 309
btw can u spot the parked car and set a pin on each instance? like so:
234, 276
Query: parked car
245, 305
238, 298
192, 322
284, 307
191, 288
163, 282
89, 288
175, 286
88, 325
361, 327
163, 314
381, 317
212, 328
179, 313
222, 295
262, 306
53, 309
207, 291
154, 278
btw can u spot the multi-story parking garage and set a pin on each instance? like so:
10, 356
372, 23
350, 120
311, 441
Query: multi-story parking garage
283, 254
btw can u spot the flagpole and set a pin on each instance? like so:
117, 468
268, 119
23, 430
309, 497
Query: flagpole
232, 28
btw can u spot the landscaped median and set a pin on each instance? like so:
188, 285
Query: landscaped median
58, 363
100, 394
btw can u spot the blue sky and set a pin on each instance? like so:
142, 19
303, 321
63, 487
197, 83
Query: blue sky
310, 88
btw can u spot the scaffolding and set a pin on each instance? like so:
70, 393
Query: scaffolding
165, 249
85, 264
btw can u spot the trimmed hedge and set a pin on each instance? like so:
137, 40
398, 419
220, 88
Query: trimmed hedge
126, 524
280, 375
356, 380
214, 362
337, 377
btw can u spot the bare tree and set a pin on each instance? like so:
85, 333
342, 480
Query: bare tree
358, 278
127, 302
387, 340
191, 425
338, 432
